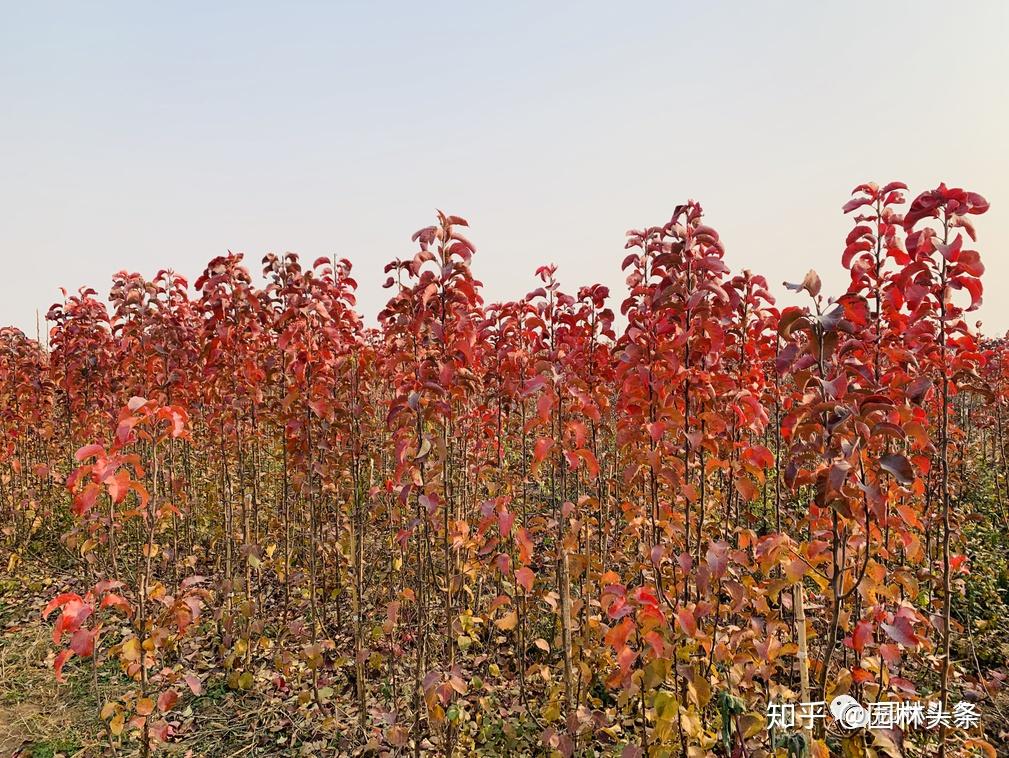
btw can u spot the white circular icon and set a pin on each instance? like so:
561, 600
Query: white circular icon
848, 712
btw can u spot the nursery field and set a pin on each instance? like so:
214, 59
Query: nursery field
238, 519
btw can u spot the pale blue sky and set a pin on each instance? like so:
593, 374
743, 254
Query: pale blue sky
140, 135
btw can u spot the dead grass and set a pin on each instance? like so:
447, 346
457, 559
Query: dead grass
41, 718
38, 717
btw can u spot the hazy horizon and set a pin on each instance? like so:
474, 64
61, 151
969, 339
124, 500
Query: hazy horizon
142, 138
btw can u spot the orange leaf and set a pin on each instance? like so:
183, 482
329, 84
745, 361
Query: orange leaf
525, 578
687, 622
983, 745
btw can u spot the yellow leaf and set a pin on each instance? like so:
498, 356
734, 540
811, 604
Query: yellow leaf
552, 712
131, 649
884, 745
752, 724
700, 689
665, 706
117, 724
691, 723
853, 747
841, 684
145, 706
508, 621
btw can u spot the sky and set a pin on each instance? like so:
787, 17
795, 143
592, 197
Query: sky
142, 136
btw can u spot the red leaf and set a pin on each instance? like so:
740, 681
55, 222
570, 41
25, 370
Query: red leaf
83, 642
86, 499
891, 653
160, 730
119, 486
861, 636
543, 407
59, 601
505, 520
58, 663
860, 675
591, 464
901, 631
112, 600
746, 488
125, 427
899, 466
542, 447
88, 451
758, 456
855, 202
973, 286
617, 636
525, 545
717, 558
167, 699
525, 578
